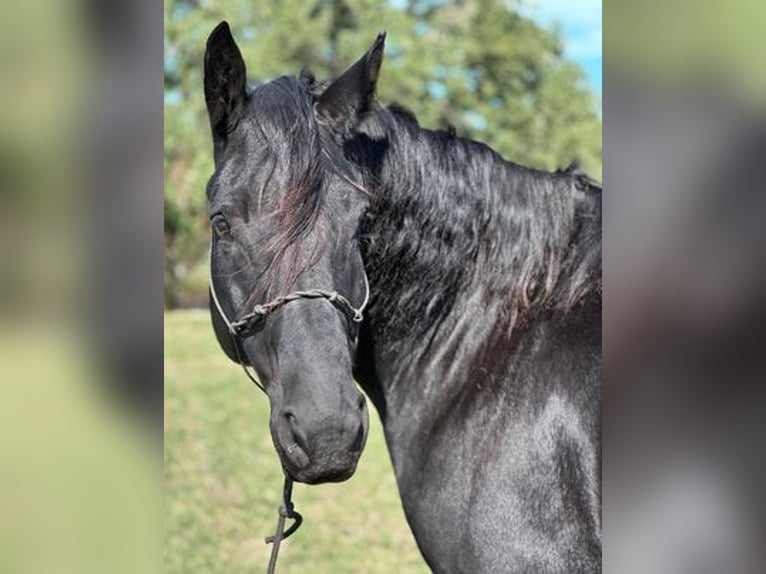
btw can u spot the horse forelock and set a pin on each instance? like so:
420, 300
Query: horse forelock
284, 114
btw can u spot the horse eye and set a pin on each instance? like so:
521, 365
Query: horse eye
220, 225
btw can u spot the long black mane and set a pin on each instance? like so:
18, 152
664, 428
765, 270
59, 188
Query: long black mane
450, 215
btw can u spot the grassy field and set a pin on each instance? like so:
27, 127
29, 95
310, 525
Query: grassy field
223, 479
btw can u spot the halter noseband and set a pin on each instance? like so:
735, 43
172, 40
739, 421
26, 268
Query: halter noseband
244, 326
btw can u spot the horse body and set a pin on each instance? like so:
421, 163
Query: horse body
481, 344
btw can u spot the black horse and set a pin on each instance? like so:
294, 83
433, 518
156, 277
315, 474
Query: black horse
481, 343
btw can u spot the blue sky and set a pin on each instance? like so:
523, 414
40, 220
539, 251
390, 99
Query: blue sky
580, 22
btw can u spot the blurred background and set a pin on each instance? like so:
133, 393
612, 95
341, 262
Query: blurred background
80, 287
684, 317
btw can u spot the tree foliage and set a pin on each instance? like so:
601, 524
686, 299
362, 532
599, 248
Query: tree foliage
480, 66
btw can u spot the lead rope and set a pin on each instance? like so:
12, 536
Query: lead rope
286, 509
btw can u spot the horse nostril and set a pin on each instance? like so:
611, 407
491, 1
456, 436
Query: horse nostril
295, 430
294, 440
358, 440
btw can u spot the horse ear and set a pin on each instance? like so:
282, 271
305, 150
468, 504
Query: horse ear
352, 94
225, 80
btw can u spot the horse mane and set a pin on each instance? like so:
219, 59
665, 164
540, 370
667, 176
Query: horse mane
456, 217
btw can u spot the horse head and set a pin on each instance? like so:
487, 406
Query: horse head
287, 277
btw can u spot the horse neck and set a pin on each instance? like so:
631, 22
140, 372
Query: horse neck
456, 236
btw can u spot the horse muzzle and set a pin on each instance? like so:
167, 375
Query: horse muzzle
316, 448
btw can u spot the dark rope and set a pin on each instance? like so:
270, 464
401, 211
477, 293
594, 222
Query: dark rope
286, 510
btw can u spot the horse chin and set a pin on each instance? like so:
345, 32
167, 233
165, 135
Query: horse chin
320, 473
308, 477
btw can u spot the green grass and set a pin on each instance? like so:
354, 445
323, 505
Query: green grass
223, 480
